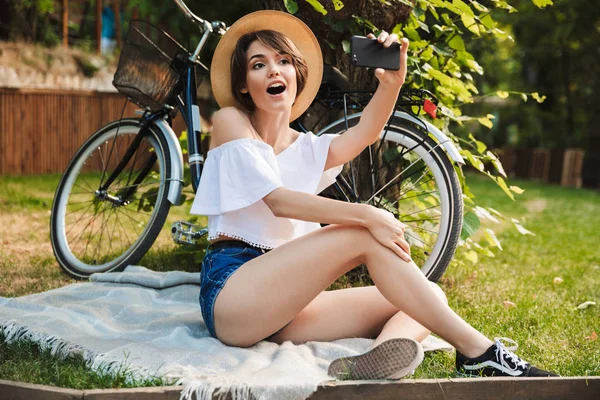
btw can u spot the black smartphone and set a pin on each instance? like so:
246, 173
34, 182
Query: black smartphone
367, 52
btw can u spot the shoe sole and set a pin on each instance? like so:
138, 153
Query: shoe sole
392, 359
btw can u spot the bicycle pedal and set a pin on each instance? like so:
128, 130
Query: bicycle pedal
184, 232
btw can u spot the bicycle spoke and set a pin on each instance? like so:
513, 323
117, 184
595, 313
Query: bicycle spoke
385, 186
130, 219
88, 185
420, 220
82, 188
124, 232
91, 235
79, 209
419, 239
101, 230
72, 223
419, 195
111, 236
422, 229
131, 186
81, 202
419, 211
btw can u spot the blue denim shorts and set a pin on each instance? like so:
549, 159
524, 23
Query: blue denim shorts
218, 266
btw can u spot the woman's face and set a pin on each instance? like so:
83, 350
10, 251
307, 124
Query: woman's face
271, 78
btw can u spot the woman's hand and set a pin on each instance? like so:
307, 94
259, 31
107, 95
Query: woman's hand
390, 77
388, 231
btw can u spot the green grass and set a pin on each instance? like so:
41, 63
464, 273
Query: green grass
551, 333
25, 362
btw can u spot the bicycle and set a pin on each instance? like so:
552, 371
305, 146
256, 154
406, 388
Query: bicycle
114, 197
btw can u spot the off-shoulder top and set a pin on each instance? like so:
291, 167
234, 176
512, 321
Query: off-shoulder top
238, 174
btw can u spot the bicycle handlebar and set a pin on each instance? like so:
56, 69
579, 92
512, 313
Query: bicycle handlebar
188, 13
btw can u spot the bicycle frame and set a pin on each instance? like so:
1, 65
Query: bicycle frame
186, 102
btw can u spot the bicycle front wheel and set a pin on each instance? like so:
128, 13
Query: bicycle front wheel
94, 230
407, 173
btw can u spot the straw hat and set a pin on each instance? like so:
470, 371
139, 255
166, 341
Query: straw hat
297, 31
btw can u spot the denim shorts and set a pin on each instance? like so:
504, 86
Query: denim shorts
218, 266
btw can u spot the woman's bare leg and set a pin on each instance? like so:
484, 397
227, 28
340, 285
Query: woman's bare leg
269, 291
354, 312
401, 325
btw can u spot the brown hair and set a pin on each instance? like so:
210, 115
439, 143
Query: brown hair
239, 65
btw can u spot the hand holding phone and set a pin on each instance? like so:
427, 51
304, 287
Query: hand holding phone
369, 52
385, 54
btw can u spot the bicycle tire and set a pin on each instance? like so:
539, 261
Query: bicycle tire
79, 266
408, 135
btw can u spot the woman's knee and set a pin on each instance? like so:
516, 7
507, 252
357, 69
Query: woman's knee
438, 290
358, 238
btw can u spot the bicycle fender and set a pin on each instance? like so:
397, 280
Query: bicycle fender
440, 136
176, 185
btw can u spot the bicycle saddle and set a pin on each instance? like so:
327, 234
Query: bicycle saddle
335, 79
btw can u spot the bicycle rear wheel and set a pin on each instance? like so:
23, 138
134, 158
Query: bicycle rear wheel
100, 231
407, 173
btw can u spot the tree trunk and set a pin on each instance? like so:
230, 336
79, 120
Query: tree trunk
382, 16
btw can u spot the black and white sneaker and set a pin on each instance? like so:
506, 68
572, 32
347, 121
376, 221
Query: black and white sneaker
498, 360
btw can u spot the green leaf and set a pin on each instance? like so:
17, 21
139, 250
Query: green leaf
521, 229
496, 162
457, 43
503, 186
291, 6
470, 23
464, 8
479, 6
542, 3
346, 46
427, 54
486, 122
491, 237
488, 22
317, 6
337, 4
480, 146
474, 65
441, 51
537, 97
471, 225
517, 189
502, 94
455, 84
504, 5
472, 256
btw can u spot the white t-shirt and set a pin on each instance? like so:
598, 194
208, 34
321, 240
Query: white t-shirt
238, 174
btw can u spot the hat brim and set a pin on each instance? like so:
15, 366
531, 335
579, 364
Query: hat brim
296, 30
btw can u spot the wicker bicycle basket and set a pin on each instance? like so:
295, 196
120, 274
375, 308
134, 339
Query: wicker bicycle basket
149, 73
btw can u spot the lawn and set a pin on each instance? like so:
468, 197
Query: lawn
528, 292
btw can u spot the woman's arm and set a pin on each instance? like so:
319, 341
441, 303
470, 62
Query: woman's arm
309, 207
376, 114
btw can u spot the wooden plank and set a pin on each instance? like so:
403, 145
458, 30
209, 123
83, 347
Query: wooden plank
3, 133
26, 391
153, 393
65, 22
117, 10
98, 26
579, 388
572, 166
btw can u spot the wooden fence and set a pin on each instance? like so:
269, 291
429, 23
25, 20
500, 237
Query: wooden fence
41, 130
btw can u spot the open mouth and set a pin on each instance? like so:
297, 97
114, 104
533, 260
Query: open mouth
276, 88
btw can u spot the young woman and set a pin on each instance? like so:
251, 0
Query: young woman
264, 274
